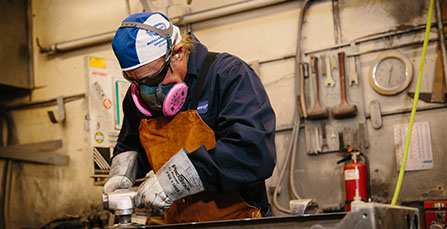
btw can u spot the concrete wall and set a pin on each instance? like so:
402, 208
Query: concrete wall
41, 192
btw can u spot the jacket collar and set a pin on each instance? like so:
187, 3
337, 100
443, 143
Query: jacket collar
196, 57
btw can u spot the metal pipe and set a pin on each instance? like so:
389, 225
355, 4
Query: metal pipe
79, 43
183, 20
359, 40
408, 110
224, 11
442, 38
367, 38
415, 43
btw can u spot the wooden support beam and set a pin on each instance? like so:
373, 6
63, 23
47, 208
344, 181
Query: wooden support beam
33, 153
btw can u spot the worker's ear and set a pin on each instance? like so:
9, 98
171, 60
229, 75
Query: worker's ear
179, 53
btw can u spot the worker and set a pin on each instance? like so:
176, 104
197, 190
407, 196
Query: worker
201, 122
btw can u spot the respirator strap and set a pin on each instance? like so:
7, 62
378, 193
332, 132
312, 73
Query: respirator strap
165, 33
206, 66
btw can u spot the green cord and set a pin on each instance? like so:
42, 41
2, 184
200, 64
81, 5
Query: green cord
415, 103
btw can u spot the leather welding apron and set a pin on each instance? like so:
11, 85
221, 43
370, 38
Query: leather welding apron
163, 137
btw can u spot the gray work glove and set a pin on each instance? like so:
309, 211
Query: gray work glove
176, 179
122, 172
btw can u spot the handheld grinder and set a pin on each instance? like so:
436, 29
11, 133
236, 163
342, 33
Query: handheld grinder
122, 203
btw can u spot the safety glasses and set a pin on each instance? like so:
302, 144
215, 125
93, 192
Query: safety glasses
153, 79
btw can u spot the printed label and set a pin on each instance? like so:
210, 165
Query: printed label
158, 40
351, 174
97, 62
107, 103
177, 179
179, 176
202, 107
99, 74
99, 137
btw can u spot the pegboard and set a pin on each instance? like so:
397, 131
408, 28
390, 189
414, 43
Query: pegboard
330, 128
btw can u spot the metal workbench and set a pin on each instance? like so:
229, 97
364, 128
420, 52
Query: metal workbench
366, 216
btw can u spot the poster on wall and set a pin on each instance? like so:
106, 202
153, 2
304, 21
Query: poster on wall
420, 155
106, 90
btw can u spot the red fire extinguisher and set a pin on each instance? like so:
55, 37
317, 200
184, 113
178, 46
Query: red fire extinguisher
356, 179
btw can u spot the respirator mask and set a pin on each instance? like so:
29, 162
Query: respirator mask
148, 93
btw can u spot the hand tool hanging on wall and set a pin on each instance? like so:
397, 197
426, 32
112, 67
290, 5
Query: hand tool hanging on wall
60, 111
344, 110
334, 63
375, 114
437, 95
363, 142
317, 111
323, 69
302, 100
317, 140
306, 70
353, 76
323, 134
348, 137
329, 80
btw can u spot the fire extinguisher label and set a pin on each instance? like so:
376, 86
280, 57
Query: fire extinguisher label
351, 174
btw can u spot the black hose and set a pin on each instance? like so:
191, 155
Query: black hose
66, 221
368, 181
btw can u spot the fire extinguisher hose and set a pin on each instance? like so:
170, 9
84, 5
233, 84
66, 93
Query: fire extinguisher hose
368, 176
415, 103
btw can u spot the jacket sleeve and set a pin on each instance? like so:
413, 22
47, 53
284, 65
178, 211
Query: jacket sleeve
129, 137
245, 130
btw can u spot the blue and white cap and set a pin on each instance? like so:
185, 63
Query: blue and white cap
135, 47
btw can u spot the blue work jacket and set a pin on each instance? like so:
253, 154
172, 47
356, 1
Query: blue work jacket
235, 105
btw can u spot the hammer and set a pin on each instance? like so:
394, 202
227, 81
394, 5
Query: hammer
317, 111
344, 109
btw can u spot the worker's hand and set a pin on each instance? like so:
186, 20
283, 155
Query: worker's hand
117, 182
176, 179
150, 194
122, 172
